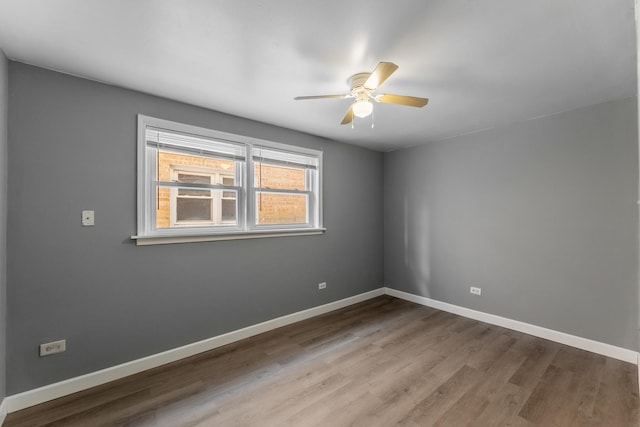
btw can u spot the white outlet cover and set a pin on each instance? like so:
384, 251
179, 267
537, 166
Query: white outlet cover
54, 347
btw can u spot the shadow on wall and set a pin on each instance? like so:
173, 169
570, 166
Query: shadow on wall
416, 245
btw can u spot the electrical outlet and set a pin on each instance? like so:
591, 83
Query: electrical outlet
322, 285
53, 347
475, 291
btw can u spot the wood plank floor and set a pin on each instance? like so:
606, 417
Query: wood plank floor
383, 362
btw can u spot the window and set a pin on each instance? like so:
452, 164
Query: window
198, 184
283, 194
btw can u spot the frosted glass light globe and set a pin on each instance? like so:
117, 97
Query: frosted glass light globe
362, 108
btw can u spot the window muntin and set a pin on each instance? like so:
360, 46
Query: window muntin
195, 181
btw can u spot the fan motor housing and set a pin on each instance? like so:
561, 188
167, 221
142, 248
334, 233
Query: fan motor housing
357, 80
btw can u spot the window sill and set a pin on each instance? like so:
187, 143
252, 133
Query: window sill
185, 238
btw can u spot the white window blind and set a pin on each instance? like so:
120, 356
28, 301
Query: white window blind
200, 145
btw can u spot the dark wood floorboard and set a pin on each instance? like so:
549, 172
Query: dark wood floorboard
382, 362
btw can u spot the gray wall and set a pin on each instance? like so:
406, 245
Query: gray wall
541, 215
72, 146
3, 219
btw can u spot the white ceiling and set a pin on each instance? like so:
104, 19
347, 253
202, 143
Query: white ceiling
482, 63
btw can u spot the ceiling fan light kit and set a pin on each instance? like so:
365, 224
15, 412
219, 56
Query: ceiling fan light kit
362, 108
363, 86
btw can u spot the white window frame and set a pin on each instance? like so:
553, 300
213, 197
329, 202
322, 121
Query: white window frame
286, 158
247, 227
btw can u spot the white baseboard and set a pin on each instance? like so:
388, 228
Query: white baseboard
538, 331
53, 391
49, 392
3, 410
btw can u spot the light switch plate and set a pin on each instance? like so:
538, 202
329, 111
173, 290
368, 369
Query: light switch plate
88, 218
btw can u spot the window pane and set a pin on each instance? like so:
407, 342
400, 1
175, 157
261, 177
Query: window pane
192, 209
180, 207
274, 208
194, 179
171, 160
219, 208
228, 211
279, 177
228, 180
163, 207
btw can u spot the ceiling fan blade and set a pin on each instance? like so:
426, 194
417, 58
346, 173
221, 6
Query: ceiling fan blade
410, 101
341, 96
348, 118
380, 74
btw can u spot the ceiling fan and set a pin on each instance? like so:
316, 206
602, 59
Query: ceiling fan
363, 86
